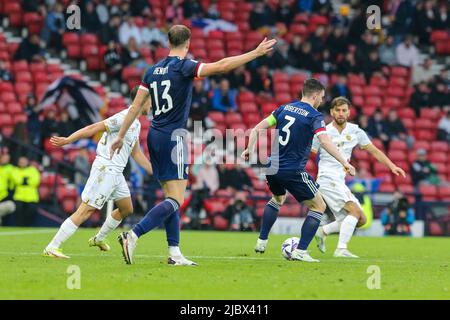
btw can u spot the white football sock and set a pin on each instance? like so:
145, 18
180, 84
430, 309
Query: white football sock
66, 230
108, 226
332, 227
174, 251
347, 229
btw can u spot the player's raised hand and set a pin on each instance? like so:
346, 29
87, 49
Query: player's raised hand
265, 46
398, 171
350, 169
59, 141
245, 155
115, 145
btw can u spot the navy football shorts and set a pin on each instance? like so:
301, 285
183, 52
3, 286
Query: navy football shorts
300, 184
168, 155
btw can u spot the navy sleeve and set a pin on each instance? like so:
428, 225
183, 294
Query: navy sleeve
190, 68
276, 112
146, 79
318, 124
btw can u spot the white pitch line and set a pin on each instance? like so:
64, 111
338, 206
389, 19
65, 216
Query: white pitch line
19, 233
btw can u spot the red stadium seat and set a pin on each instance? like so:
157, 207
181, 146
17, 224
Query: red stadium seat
429, 192
438, 157
398, 145
70, 38
444, 193
232, 118
8, 97
246, 96
406, 113
356, 89
217, 116
371, 91
440, 146
399, 72
74, 51
248, 107
387, 187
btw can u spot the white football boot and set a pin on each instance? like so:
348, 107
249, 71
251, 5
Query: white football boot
320, 239
260, 246
343, 253
180, 261
302, 255
128, 244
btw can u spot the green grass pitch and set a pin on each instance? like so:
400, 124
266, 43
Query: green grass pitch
228, 269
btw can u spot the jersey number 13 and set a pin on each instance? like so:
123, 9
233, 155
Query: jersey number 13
168, 105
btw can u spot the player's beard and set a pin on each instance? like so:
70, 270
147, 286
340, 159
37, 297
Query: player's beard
340, 122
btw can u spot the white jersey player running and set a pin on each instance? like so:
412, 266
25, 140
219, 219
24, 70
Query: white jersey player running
106, 180
331, 177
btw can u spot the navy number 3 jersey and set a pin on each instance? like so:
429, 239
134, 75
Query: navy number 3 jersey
170, 86
297, 123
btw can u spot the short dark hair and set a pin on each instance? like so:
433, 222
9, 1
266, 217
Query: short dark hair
178, 35
133, 92
312, 86
339, 101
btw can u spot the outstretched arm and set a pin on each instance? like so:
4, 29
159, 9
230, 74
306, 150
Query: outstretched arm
134, 111
328, 145
85, 132
227, 64
141, 159
382, 158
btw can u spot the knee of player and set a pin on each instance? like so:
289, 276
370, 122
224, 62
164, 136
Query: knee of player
362, 220
125, 212
86, 211
279, 199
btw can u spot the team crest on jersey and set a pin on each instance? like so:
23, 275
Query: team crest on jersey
322, 123
114, 122
348, 137
187, 170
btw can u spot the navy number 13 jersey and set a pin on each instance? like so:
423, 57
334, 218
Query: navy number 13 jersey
170, 86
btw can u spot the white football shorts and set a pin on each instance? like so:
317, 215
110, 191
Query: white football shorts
104, 184
336, 194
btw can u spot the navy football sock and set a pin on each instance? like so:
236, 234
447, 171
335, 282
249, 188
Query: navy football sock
172, 225
309, 228
156, 216
269, 217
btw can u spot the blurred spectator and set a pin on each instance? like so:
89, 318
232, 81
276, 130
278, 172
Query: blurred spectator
33, 123
395, 129
372, 66
30, 49
20, 133
113, 62
442, 20
423, 72
323, 7
262, 16
174, 12
276, 59
358, 26
337, 43
306, 60
30, 5
26, 180
325, 63
109, 32
124, 9
443, 132
404, 19
317, 40
54, 27
340, 88
420, 98
262, 81
238, 79
192, 9
213, 11
195, 212
285, 12
398, 217
131, 54
377, 128
364, 47
65, 125
363, 122
234, 178
128, 30
6, 169
206, 176
224, 98
140, 8
152, 35
102, 9
50, 126
387, 52
426, 19
407, 53
5, 74
294, 51
348, 65
240, 216
200, 105
440, 95
89, 19
423, 171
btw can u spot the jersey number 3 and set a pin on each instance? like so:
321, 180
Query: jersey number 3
165, 95
285, 129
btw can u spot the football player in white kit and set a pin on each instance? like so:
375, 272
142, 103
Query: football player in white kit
331, 177
106, 180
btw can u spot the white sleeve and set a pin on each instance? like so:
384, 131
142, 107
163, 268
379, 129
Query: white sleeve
315, 144
114, 123
363, 139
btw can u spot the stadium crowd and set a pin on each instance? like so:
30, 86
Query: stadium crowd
314, 39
